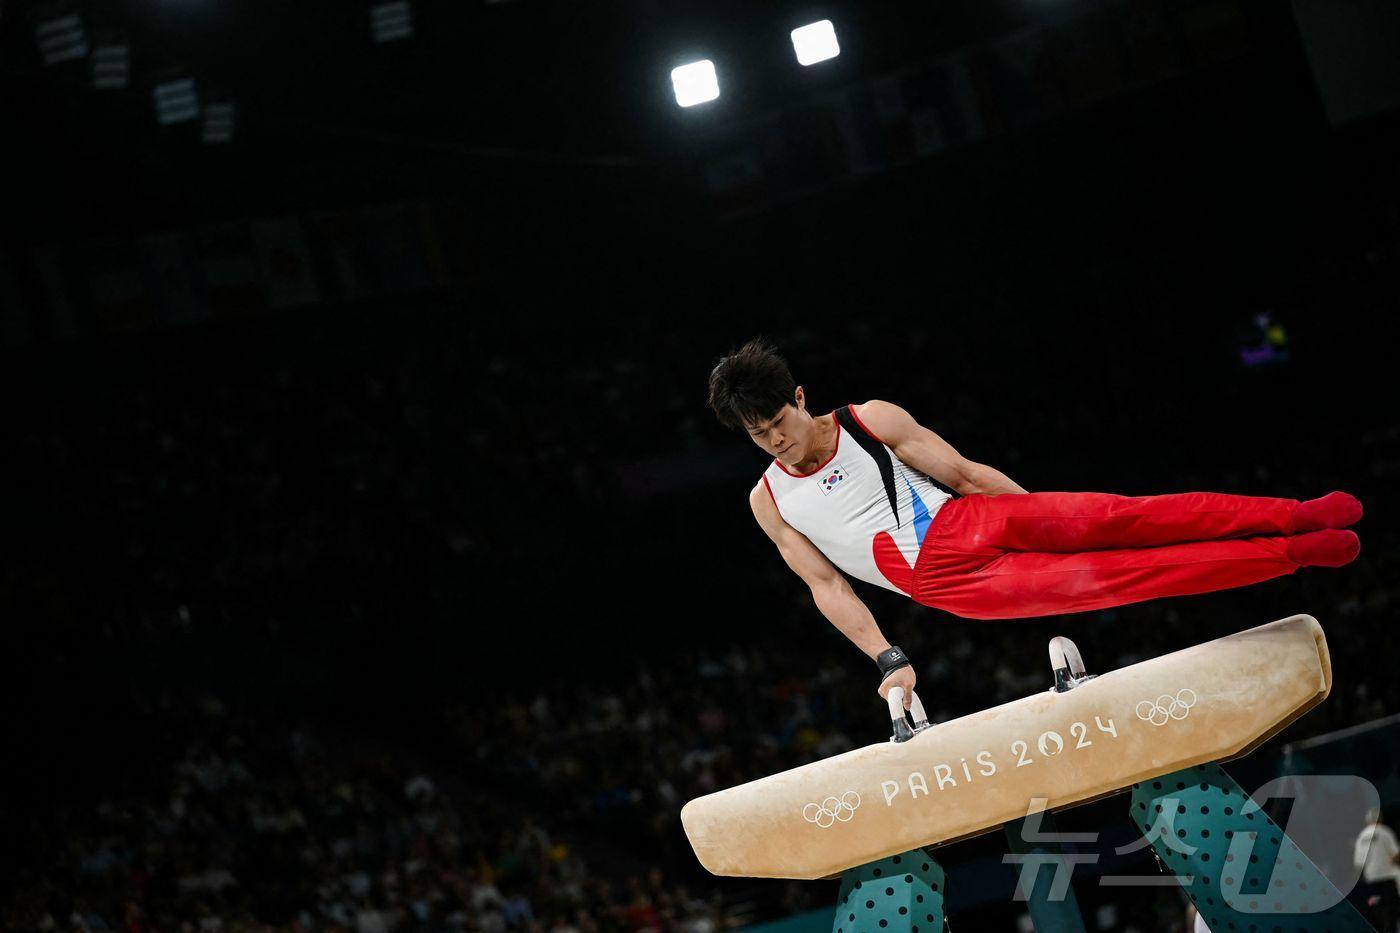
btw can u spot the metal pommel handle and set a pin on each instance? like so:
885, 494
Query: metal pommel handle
903, 731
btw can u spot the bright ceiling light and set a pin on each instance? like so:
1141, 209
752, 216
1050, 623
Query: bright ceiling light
815, 42
695, 83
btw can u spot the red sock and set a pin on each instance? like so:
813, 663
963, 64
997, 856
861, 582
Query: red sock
1334, 510
1330, 547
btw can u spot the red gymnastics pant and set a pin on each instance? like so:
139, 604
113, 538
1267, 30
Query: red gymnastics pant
1018, 555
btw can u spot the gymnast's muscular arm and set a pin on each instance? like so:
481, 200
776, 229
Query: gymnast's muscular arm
925, 451
830, 590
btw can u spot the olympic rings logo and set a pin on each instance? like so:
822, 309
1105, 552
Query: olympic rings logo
1166, 707
832, 810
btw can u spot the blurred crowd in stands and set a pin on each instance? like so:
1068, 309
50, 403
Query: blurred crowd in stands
252, 824
229, 558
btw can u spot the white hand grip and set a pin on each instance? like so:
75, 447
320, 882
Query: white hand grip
917, 708
895, 698
902, 730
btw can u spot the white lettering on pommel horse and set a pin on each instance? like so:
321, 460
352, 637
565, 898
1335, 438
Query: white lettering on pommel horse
1049, 744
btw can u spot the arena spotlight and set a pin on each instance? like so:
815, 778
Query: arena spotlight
391, 21
218, 123
176, 101
695, 83
61, 39
111, 66
815, 42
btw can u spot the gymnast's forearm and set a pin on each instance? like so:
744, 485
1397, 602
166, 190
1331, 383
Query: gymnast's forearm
844, 609
988, 481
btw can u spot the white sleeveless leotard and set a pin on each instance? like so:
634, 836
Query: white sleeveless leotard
864, 508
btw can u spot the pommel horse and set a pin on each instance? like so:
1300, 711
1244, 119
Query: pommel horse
1159, 728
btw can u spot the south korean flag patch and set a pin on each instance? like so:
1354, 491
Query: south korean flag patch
831, 479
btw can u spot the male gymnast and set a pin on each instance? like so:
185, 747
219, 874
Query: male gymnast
867, 489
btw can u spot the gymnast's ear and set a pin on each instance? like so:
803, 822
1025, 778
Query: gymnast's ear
799, 399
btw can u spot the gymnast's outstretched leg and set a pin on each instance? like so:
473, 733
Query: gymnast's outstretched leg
1021, 584
1068, 522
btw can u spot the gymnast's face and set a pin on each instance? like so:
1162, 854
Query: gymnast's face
788, 433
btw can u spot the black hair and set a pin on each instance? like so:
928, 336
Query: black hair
750, 385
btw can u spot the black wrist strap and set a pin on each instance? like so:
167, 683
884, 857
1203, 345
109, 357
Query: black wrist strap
891, 659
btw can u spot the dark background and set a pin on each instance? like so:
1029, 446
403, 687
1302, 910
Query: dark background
371, 443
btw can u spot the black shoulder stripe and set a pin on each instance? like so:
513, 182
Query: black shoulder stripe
877, 452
